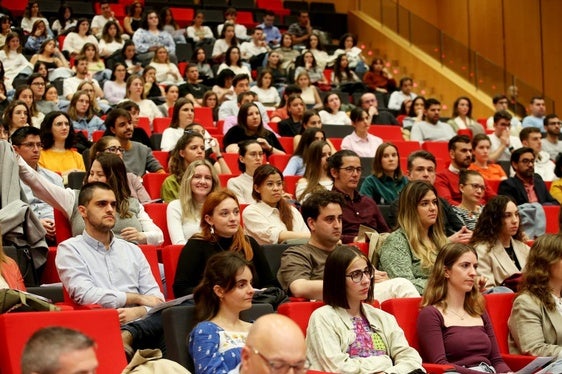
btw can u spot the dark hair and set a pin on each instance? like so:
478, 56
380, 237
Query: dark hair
491, 221
175, 123
345, 36
223, 76
23, 132
535, 98
411, 112
340, 74
261, 75
356, 114
38, 65
498, 97
99, 147
547, 118
378, 171
47, 137
558, 166
300, 59
420, 154
326, 99
403, 80
334, 286
34, 76
260, 175
240, 77
457, 139
144, 22
60, 15
27, 11
176, 163
335, 161
33, 108
464, 174
516, 155
234, 40
289, 90
105, 32
162, 17
80, 21
320, 45
243, 119
502, 114
113, 115
307, 138
478, 138
221, 270
431, 101
527, 131
311, 206
242, 95
87, 191
36, 26
9, 112
72, 107
117, 64
307, 115
456, 104
242, 149
227, 59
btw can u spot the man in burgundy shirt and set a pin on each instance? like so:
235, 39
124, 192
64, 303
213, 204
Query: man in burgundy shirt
447, 181
345, 170
526, 186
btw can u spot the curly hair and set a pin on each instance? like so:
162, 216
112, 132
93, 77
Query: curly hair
491, 222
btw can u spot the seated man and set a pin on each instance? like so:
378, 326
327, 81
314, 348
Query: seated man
531, 137
70, 85
447, 181
97, 268
192, 88
59, 350
138, 157
404, 92
302, 266
370, 104
240, 84
502, 142
345, 170
525, 186
536, 118
501, 102
254, 51
551, 142
432, 129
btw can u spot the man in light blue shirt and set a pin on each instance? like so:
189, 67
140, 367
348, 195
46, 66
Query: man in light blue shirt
536, 118
271, 32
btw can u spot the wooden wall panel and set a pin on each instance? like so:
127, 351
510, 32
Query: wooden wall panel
453, 19
486, 29
425, 9
552, 30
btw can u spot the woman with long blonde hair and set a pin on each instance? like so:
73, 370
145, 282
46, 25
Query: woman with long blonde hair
220, 231
410, 251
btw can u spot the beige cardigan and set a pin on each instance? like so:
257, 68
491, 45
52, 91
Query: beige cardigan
534, 330
496, 265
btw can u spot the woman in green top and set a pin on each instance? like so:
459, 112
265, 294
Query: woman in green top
387, 180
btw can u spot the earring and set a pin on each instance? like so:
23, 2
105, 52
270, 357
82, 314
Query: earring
212, 230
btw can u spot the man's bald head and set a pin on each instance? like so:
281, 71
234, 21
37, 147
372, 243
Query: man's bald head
277, 339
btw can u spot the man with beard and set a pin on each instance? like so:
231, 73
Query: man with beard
302, 266
550, 143
526, 186
138, 157
537, 108
97, 268
432, 129
447, 181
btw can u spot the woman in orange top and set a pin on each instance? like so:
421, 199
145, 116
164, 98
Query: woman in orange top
481, 150
9, 271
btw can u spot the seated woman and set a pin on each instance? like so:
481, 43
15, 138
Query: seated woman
535, 322
25, 94
499, 241
133, 19
127, 57
15, 116
348, 335
360, 140
332, 113
166, 72
250, 126
13, 60
150, 36
287, 52
278, 74
462, 117
378, 78
307, 63
31, 15
481, 151
386, 182
96, 65
295, 166
206, 74
416, 113
220, 232
37, 36
233, 61
75, 40
267, 93
182, 117
316, 177
170, 25
226, 40
292, 126
345, 79
111, 40
223, 87
453, 326
472, 187
184, 214
99, 105
199, 33
316, 47
10, 275
135, 93
216, 342
131, 221
52, 57
82, 114
348, 46
152, 89
211, 100
57, 136
65, 21
410, 251
51, 94
309, 93
271, 219
310, 118
115, 88
171, 95
250, 158
110, 144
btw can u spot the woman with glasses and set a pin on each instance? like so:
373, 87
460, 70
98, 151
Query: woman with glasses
453, 326
132, 223
410, 251
472, 188
348, 334
216, 342
271, 219
110, 144
360, 140
82, 114
184, 213
499, 241
250, 157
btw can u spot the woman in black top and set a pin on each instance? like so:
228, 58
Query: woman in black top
220, 231
293, 125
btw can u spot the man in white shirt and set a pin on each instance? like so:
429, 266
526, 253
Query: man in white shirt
501, 102
502, 143
99, 21
70, 85
551, 143
531, 137
240, 84
432, 129
255, 50
405, 93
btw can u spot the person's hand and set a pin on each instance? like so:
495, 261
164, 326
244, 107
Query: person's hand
130, 314
215, 146
462, 236
308, 65
504, 137
482, 280
287, 195
131, 234
380, 276
150, 300
373, 111
264, 144
49, 226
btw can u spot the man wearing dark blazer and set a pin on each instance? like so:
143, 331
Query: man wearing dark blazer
526, 186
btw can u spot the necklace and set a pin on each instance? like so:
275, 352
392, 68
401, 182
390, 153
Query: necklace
461, 316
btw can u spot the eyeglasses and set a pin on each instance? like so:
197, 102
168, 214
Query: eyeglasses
351, 169
555, 124
527, 161
281, 367
477, 186
357, 275
32, 145
114, 149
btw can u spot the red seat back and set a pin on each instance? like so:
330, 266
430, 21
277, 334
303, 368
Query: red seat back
551, 212
387, 132
161, 124
203, 116
279, 161
170, 257
152, 183
438, 149
291, 183
406, 312
150, 252
162, 157
62, 225
157, 211
100, 325
287, 144
300, 311
50, 273
498, 306
144, 123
